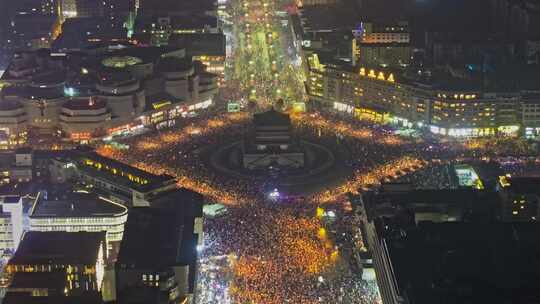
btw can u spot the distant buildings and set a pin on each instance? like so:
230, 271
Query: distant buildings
100, 92
81, 8
445, 102
32, 25
385, 45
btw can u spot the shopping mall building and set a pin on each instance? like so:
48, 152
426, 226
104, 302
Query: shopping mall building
101, 92
450, 106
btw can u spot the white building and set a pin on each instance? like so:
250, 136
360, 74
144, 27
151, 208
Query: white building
79, 211
11, 223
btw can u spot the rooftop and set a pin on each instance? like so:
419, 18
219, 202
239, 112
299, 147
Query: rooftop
58, 247
185, 202
35, 93
466, 262
525, 185
50, 280
14, 199
85, 104
76, 205
120, 173
271, 118
156, 238
18, 298
207, 44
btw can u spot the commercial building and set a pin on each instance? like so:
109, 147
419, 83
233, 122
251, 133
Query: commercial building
157, 20
101, 92
81, 8
82, 33
378, 33
382, 54
45, 288
11, 219
520, 198
79, 211
31, 26
434, 246
208, 48
119, 182
456, 262
440, 100
158, 256
80, 256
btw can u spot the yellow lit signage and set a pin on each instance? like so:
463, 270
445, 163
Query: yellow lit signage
161, 104
362, 71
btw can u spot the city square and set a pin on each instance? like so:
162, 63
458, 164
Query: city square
269, 152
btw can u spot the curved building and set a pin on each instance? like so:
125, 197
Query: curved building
77, 212
84, 118
102, 92
13, 122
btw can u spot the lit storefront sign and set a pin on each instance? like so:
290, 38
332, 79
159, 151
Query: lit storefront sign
341, 107
233, 107
508, 130
462, 132
81, 136
299, 107
532, 132
119, 130
161, 104
368, 114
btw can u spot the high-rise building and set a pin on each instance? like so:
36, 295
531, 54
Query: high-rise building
81, 8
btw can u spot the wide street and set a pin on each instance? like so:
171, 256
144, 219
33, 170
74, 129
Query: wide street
263, 67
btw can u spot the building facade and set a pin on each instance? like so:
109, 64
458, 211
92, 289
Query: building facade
80, 211
121, 183
387, 97
107, 92
81, 255
11, 218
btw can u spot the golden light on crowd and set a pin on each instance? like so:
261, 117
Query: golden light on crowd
177, 136
374, 177
296, 254
343, 128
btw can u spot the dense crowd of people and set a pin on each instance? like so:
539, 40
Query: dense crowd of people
282, 252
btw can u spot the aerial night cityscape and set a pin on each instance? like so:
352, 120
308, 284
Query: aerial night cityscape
269, 151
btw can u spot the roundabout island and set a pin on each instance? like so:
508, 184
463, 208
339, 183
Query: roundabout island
272, 153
